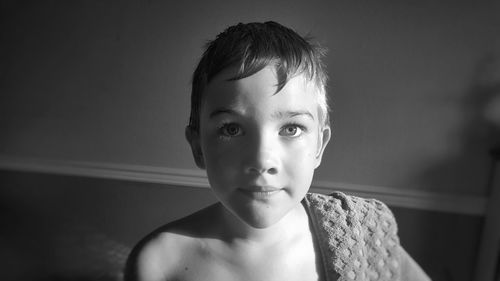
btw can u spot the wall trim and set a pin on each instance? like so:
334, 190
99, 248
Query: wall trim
398, 197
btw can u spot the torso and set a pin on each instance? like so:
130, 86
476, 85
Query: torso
207, 257
211, 260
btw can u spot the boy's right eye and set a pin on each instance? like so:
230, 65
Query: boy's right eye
231, 130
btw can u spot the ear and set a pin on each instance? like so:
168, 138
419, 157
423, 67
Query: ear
193, 138
323, 139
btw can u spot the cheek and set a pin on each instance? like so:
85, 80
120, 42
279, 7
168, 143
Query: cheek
221, 161
301, 157
218, 151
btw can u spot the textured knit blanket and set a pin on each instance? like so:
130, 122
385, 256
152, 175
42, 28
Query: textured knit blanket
358, 240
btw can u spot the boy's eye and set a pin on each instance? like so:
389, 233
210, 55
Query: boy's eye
231, 130
291, 131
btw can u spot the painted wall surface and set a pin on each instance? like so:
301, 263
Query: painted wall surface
109, 81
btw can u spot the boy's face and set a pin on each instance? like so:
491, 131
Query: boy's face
259, 147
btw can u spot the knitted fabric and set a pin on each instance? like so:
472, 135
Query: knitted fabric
360, 237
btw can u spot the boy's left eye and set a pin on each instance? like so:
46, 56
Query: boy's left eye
291, 131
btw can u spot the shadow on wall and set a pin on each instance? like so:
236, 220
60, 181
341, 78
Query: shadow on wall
478, 135
48, 243
69, 228
469, 170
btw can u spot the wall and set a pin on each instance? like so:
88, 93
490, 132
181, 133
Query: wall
109, 82
63, 228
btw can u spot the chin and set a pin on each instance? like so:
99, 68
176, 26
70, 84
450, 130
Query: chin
259, 214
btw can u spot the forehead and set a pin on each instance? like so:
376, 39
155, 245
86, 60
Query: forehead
259, 92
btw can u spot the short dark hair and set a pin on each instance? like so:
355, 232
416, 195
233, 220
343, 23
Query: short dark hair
252, 47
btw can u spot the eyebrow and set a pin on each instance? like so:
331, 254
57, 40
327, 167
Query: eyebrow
275, 115
291, 114
220, 111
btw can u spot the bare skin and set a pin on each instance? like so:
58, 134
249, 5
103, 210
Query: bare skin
203, 246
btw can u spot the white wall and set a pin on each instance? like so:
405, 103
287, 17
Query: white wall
109, 82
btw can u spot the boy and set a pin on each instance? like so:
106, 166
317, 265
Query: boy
259, 125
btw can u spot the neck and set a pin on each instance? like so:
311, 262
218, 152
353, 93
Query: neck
238, 232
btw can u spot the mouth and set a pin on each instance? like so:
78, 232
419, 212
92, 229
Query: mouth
261, 192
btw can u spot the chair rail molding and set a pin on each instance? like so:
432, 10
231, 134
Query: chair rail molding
398, 197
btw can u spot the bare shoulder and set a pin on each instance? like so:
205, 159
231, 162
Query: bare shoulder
163, 254
152, 259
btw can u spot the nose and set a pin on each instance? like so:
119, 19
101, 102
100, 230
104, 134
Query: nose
262, 155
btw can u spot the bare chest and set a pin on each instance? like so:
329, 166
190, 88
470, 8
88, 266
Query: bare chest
267, 269
297, 263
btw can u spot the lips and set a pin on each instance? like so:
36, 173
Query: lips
258, 188
260, 192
